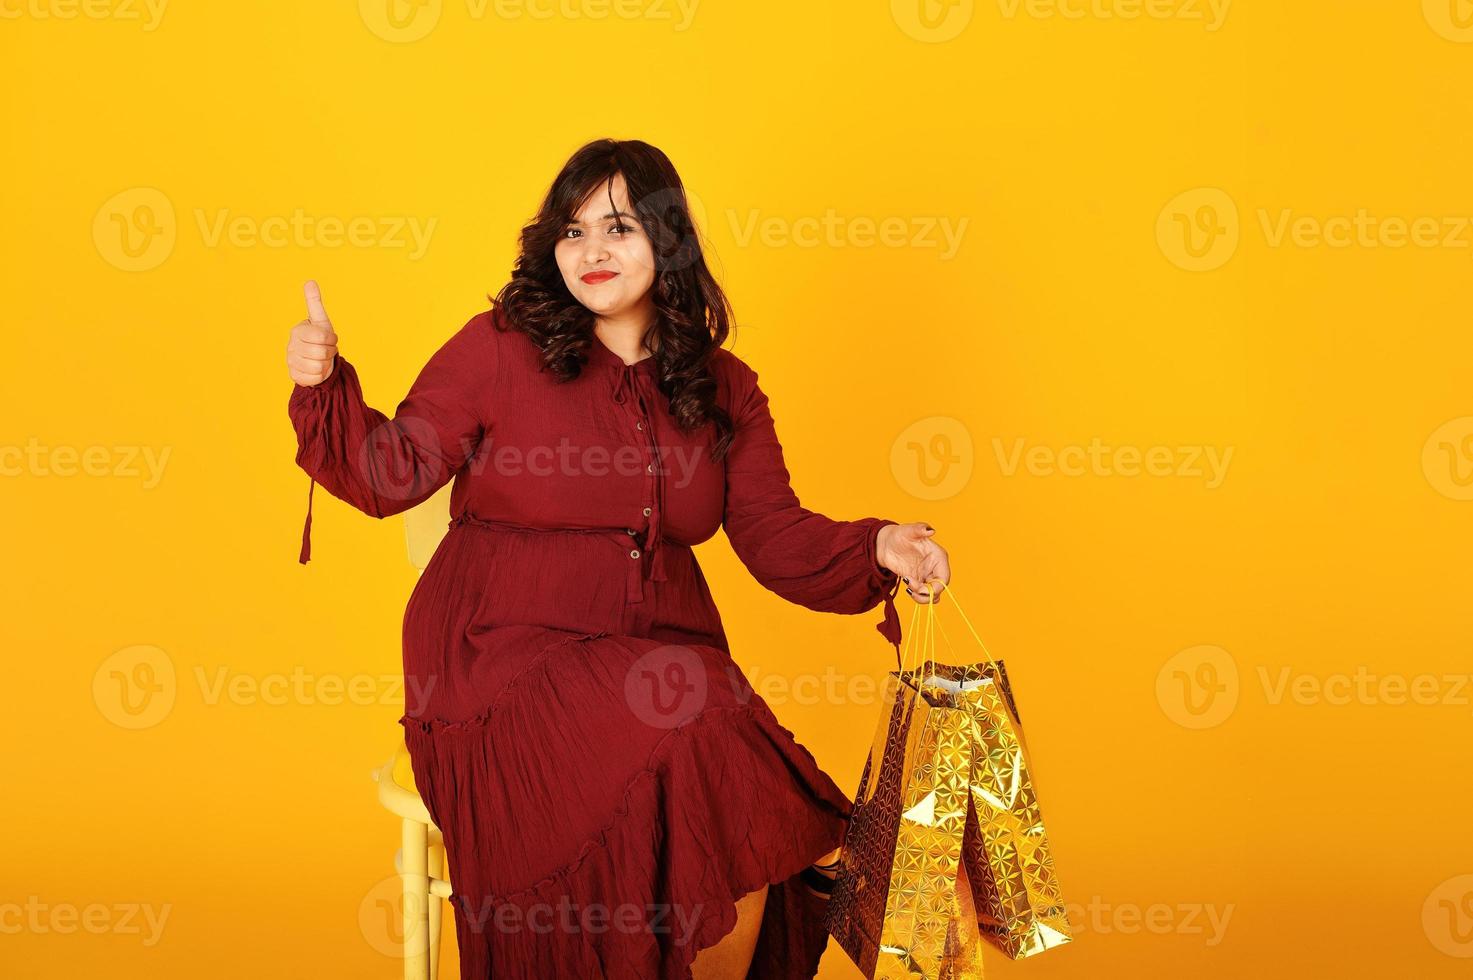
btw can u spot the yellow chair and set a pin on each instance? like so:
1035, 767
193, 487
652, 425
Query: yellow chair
420, 861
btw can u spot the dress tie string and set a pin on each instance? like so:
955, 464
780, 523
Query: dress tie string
889, 627
306, 553
621, 384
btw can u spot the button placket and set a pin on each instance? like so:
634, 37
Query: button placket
653, 544
630, 382
634, 380
625, 384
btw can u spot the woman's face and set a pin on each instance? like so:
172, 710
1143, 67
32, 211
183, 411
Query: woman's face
605, 256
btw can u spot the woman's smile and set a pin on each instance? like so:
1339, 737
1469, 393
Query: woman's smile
602, 275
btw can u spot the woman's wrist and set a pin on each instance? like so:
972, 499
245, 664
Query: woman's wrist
880, 544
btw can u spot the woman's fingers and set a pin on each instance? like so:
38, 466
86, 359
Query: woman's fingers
315, 352
928, 571
938, 566
314, 333
922, 564
309, 373
931, 591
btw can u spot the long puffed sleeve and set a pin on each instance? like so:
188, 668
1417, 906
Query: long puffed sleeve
824, 564
384, 466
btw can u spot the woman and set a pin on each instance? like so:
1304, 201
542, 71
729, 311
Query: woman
616, 800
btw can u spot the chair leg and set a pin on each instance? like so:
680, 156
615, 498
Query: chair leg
437, 905
415, 837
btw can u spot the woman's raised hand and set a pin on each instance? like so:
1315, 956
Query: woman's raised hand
911, 551
312, 349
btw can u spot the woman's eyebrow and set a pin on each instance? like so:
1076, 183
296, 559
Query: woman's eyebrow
611, 214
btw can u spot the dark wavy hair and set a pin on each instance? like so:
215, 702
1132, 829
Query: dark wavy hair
693, 315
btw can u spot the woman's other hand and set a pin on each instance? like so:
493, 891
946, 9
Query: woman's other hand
911, 551
312, 348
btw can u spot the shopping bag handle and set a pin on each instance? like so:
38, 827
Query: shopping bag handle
927, 644
933, 624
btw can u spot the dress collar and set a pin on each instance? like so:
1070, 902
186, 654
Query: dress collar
599, 353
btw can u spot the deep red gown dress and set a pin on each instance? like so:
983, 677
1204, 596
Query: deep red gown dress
607, 781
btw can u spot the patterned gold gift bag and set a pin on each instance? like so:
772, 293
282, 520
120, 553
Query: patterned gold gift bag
1005, 849
902, 905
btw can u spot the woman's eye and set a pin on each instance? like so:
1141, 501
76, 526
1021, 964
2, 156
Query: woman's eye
621, 229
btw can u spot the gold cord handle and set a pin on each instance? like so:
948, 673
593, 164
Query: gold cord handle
933, 624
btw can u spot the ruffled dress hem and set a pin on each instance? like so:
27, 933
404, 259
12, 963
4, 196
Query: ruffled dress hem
657, 848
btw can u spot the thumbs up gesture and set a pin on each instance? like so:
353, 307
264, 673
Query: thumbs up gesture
312, 349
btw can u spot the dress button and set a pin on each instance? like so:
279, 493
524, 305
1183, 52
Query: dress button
639, 426
629, 531
646, 512
634, 553
649, 467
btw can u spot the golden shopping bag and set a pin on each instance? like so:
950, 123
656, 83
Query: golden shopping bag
902, 905
1005, 849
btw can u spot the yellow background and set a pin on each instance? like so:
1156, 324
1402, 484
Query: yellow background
1077, 149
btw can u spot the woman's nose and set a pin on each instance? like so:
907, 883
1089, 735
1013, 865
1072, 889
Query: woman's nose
594, 251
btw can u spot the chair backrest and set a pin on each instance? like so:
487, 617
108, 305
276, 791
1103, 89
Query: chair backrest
425, 525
